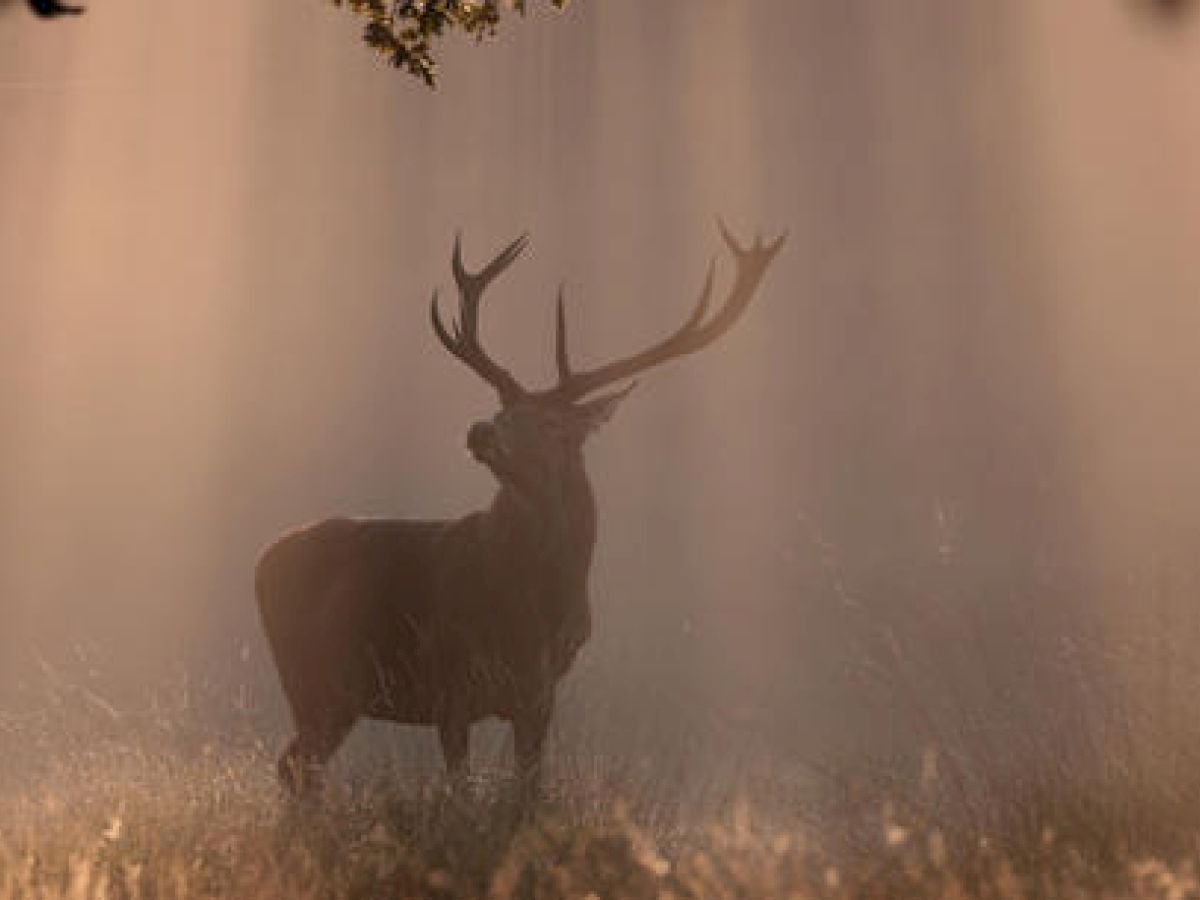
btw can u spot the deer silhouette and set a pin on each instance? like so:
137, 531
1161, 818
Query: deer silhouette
445, 623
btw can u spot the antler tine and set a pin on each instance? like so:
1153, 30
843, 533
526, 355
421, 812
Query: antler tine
463, 339
758, 247
693, 335
729, 239
472, 284
560, 341
435, 318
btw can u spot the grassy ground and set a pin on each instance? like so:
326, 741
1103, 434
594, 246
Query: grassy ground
1079, 777
121, 823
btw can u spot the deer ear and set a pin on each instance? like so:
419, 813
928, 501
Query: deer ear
594, 413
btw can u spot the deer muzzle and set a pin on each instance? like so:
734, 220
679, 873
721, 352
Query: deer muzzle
484, 443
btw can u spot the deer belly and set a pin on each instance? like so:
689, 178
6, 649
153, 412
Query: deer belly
424, 693
404, 686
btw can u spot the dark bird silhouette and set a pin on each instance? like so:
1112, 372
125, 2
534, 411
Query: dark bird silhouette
52, 9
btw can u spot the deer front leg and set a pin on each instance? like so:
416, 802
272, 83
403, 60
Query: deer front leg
530, 725
454, 732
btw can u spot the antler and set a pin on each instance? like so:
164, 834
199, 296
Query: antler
464, 342
695, 333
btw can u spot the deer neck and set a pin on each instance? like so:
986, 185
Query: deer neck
554, 531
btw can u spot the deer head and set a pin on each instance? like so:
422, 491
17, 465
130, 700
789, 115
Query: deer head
537, 435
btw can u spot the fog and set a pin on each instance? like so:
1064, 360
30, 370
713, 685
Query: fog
957, 422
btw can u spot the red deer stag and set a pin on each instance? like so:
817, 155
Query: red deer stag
448, 622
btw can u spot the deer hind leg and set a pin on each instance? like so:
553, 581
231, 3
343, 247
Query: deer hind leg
301, 767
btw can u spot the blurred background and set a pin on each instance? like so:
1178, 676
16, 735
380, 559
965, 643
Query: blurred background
939, 483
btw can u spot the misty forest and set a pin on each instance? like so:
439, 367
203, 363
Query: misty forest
612, 449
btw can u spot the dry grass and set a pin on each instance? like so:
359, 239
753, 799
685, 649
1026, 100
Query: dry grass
123, 823
1062, 781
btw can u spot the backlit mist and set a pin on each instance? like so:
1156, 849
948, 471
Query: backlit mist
959, 420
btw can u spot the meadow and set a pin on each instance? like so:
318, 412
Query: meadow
1004, 763
164, 814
